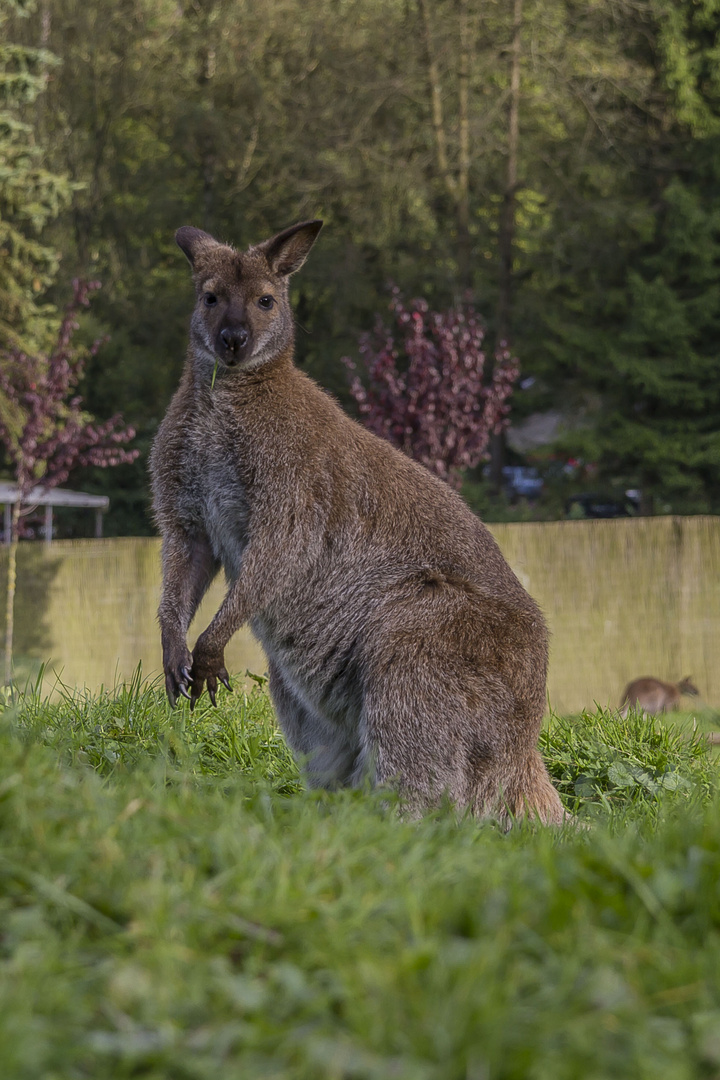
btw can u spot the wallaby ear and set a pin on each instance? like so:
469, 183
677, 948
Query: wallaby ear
287, 251
191, 241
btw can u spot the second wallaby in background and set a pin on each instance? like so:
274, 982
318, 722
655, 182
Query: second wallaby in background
655, 696
401, 648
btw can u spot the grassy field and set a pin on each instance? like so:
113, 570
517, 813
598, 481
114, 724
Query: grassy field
173, 904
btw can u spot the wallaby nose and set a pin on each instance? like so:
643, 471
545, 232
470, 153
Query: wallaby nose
234, 338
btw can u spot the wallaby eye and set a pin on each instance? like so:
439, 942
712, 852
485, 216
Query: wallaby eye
209, 299
266, 302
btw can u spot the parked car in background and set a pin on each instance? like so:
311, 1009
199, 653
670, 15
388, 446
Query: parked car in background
594, 505
521, 482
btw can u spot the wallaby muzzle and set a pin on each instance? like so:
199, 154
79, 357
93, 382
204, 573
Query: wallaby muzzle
232, 343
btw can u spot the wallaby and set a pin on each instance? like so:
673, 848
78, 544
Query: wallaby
401, 648
655, 696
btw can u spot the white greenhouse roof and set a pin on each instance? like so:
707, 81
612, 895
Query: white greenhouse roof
40, 496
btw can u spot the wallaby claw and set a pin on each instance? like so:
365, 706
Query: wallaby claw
176, 664
211, 695
196, 692
225, 680
176, 685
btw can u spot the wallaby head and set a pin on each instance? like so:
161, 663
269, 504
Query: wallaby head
242, 318
685, 686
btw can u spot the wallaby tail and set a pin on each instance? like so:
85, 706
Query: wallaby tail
528, 792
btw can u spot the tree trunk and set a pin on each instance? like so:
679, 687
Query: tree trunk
647, 500
41, 101
463, 181
11, 582
506, 230
455, 179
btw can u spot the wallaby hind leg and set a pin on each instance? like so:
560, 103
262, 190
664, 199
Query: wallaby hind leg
328, 757
433, 734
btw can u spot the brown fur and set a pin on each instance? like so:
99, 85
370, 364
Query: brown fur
655, 696
400, 645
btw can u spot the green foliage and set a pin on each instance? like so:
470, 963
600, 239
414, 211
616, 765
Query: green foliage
498, 508
167, 916
327, 119
596, 758
604, 758
241, 118
689, 41
31, 195
118, 729
655, 360
633, 317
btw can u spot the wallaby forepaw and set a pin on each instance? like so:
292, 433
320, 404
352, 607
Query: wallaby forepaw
208, 665
177, 675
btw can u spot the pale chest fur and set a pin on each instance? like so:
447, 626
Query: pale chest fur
212, 497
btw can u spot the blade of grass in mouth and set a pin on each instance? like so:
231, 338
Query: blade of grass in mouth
212, 384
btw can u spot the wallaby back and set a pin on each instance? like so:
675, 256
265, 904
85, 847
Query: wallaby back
401, 648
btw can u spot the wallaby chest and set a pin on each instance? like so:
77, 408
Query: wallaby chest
213, 496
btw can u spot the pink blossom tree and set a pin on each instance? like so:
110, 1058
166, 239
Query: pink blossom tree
44, 429
439, 404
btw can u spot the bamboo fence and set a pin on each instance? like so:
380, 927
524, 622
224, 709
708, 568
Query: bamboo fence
623, 598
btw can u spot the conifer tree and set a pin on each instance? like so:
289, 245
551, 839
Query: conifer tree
30, 193
657, 365
647, 351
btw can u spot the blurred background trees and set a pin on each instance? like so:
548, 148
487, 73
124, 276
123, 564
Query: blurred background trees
31, 194
558, 159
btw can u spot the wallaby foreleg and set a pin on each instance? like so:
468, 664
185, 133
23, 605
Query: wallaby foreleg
249, 593
208, 657
189, 566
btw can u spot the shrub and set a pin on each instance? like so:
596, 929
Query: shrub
604, 757
431, 396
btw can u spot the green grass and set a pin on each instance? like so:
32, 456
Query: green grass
619, 762
120, 729
173, 904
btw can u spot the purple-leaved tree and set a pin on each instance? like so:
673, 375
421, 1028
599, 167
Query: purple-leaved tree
44, 429
440, 406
